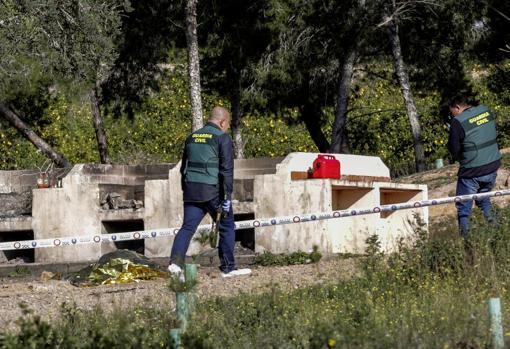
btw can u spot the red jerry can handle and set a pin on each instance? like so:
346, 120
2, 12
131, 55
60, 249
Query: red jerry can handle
317, 162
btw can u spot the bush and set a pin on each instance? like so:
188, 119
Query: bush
135, 328
378, 125
270, 259
432, 294
155, 133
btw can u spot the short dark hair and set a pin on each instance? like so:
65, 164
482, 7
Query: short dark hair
463, 98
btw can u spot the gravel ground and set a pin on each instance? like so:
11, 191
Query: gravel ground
45, 297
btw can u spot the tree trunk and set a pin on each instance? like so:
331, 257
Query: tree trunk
237, 126
311, 116
26, 132
338, 138
193, 65
102, 144
403, 79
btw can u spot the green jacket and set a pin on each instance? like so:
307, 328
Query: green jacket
479, 146
207, 166
202, 156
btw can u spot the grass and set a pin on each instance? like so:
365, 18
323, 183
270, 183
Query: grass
269, 259
433, 293
123, 328
20, 271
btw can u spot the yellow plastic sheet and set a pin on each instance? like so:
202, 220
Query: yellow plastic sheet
122, 271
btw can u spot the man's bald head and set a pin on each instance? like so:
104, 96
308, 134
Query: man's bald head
221, 117
219, 113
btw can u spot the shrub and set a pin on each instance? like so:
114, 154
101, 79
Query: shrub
377, 125
142, 327
270, 259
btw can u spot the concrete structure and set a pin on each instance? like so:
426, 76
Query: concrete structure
74, 210
278, 195
262, 188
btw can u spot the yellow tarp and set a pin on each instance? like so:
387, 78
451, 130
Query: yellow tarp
122, 271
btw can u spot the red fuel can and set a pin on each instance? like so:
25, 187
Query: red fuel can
326, 166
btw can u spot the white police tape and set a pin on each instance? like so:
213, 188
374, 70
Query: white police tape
250, 224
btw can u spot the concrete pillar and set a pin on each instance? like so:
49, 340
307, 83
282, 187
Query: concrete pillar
72, 210
157, 216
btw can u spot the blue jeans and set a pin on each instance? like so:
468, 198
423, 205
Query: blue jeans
474, 185
194, 212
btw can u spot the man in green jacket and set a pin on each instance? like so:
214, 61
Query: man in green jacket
472, 142
207, 177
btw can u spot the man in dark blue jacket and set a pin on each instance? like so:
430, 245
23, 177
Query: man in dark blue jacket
473, 143
207, 176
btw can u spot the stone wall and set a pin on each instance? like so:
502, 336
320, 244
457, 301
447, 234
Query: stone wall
16, 192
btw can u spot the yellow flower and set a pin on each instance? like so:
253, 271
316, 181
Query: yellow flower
331, 343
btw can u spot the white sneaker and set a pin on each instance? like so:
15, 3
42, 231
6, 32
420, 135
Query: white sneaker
236, 272
176, 271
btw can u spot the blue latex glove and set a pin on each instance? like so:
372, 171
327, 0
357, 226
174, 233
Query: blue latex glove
225, 206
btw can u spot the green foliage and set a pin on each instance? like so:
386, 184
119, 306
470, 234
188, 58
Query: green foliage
155, 133
489, 84
141, 327
374, 256
20, 271
84, 35
432, 294
436, 56
49, 44
270, 259
275, 136
378, 125
148, 30
23, 63
498, 80
17, 152
236, 38
48, 41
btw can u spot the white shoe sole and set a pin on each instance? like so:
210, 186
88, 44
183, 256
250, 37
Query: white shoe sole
235, 273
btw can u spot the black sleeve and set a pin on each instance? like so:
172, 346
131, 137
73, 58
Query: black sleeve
226, 174
457, 135
183, 165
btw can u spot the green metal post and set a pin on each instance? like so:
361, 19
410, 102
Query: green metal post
190, 270
182, 309
495, 323
175, 338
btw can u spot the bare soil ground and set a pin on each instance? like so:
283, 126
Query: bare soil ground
45, 297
